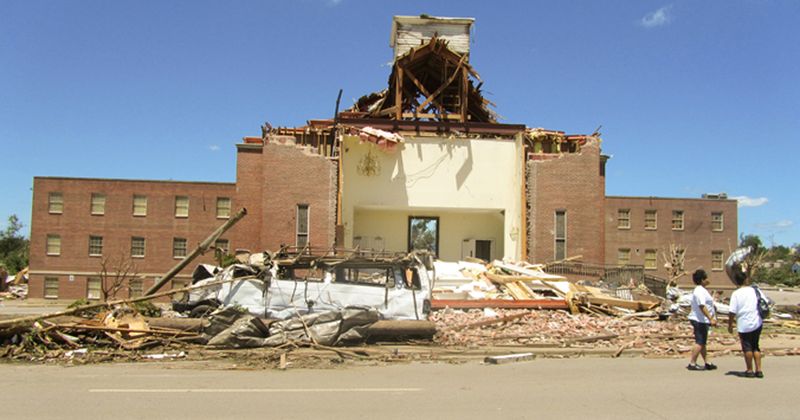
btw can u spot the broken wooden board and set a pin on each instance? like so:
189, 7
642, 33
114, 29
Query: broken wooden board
508, 358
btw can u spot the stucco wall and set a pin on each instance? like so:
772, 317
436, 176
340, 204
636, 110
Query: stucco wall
435, 174
392, 228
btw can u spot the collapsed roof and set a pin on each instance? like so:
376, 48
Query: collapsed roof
429, 82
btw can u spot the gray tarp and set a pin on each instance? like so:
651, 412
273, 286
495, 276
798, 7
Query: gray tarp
234, 329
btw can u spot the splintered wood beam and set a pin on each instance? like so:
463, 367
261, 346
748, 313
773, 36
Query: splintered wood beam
444, 85
431, 116
398, 94
464, 95
417, 83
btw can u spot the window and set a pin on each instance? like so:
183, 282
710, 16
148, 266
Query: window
716, 222
55, 203
716, 260
650, 262
139, 205
302, 224
561, 235
181, 206
223, 245
383, 277
51, 287
53, 245
95, 246
650, 220
624, 219
677, 220
223, 208
137, 246
180, 283
98, 204
135, 288
623, 256
423, 233
94, 288
179, 247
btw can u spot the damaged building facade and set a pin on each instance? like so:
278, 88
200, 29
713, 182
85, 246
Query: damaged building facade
421, 164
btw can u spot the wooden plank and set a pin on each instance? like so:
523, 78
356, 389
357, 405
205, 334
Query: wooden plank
508, 358
627, 304
444, 85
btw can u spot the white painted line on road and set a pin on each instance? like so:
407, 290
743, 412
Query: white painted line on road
242, 390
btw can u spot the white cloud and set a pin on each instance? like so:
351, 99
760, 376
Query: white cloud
745, 201
779, 226
213, 147
658, 18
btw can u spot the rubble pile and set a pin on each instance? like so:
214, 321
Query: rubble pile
534, 328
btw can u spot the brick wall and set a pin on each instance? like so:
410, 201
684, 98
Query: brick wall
284, 176
249, 194
117, 226
570, 182
697, 236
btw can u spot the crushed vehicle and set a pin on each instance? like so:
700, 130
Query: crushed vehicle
295, 282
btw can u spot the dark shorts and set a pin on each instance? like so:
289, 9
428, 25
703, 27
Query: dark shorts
700, 332
750, 340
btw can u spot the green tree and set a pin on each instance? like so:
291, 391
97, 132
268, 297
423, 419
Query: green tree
13, 246
752, 241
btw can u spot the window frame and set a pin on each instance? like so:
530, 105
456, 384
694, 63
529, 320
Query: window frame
627, 253
222, 215
134, 247
48, 244
99, 200
428, 219
175, 242
654, 253
51, 203
50, 279
89, 281
624, 219
654, 219
178, 208
678, 216
136, 285
144, 211
717, 265
298, 233
559, 239
714, 221
99, 239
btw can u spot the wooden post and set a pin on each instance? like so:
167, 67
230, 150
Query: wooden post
201, 249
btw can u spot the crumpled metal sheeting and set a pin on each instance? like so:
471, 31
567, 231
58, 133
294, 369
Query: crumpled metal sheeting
233, 329
326, 328
559, 328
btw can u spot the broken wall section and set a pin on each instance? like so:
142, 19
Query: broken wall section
570, 182
285, 176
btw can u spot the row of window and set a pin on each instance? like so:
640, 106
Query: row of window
94, 287
55, 205
651, 220
651, 259
138, 246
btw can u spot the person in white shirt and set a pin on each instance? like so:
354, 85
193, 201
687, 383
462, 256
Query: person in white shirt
702, 317
744, 306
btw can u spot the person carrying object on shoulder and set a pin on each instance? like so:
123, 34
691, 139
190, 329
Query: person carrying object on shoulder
744, 306
702, 317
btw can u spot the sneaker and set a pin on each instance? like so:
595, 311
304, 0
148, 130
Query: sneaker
759, 374
693, 367
749, 374
710, 366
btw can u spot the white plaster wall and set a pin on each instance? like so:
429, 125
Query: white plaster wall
427, 174
392, 227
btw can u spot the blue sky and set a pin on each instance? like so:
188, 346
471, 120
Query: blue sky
692, 96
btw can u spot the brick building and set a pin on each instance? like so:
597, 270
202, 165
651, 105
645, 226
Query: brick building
420, 164
141, 228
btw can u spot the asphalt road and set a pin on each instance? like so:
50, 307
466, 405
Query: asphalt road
542, 388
